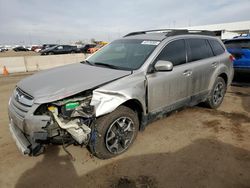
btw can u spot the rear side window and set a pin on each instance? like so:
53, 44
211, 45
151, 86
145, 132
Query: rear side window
174, 52
217, 47
198, 49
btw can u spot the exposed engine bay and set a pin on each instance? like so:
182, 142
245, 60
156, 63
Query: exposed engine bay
71, 120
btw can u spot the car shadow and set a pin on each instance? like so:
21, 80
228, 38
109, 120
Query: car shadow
203, 163
52, 171
242, 80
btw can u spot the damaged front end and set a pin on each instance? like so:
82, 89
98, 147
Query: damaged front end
75, 116
67, 121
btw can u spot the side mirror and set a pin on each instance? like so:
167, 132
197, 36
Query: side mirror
163, 65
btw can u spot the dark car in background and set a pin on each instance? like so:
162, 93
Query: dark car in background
59, 49
85, 48
239, 47
20, 49
45, 46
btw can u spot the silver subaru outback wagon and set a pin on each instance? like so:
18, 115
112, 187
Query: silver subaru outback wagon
104, 101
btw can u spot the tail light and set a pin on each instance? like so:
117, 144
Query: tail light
231, 57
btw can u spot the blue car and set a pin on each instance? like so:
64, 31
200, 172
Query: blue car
239, 47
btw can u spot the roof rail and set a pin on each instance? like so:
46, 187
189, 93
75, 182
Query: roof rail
201, 32
173, 32
151, 31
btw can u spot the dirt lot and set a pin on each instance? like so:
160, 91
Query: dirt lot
12, 53
195, 147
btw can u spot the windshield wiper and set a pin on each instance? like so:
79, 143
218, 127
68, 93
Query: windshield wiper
107, 65
86, 62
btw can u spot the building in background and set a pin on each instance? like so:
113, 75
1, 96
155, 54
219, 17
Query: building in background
226, 30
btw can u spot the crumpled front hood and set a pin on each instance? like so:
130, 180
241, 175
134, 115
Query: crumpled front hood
65, 81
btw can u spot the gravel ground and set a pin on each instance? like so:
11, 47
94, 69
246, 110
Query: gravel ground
12, 53
195, 147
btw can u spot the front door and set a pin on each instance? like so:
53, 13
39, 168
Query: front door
170, 89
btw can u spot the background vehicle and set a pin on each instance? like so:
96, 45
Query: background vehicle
106, 100
94, 49
99, 45
84, 48
60, 49
45, 46
239, 47
28, 47
20, 49
36, 48
3, 49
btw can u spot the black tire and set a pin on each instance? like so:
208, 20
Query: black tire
51, 53
106, 126
217, 94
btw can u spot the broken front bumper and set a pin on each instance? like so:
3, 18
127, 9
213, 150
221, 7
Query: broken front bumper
22, 142
25, 127
27, 144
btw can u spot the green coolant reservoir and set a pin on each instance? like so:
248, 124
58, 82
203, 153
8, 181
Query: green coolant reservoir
71, 105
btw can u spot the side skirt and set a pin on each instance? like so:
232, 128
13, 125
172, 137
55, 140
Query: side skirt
164, 112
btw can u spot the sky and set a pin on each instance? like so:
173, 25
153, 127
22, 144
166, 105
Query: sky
66, 21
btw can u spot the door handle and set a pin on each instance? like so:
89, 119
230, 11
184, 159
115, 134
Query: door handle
187, 72
214, 64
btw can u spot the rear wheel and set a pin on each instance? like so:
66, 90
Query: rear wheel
115, 133
217, 94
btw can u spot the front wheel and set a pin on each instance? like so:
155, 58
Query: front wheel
217, 94
115, 133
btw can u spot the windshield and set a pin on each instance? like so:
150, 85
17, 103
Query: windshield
126, 54
243, 43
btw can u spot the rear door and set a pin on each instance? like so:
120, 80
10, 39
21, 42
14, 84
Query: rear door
203, 63
169, 90
66, 49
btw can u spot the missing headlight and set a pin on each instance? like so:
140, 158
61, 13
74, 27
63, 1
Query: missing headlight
77, 107
66, 107
41, 110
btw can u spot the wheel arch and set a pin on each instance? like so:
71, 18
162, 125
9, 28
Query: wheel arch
136, 106
221, 72
224, 76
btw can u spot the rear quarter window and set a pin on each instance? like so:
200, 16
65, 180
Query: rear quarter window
216, 47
